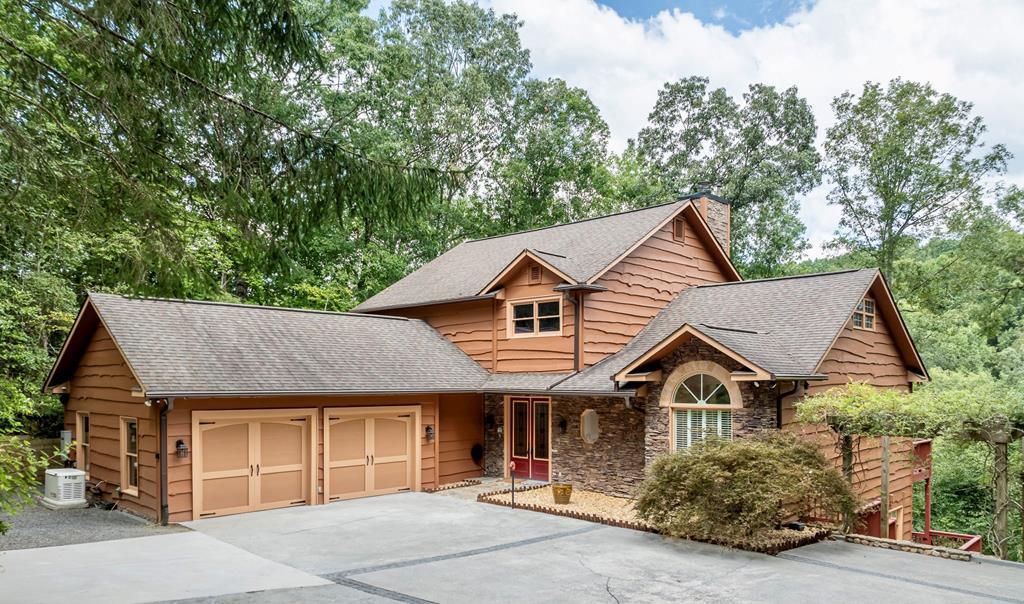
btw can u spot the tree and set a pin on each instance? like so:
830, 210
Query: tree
903, 162
760, 154
554, 167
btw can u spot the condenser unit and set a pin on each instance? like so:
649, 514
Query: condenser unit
64, 488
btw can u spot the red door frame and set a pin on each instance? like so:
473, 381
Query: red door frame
533, 461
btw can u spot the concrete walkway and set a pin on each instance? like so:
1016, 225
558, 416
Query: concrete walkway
416, 547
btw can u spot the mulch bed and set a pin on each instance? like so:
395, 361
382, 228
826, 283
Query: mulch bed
617, 511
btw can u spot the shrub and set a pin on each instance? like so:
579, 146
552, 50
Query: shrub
741, 488
20, 465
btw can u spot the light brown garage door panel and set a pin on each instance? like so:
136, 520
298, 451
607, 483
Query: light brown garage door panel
392, 448
283, 462
246, 460
370, 451
347, 457
225, 462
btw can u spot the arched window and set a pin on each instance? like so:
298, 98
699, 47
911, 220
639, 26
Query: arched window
701, 408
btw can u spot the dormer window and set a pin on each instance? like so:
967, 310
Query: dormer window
541, 317
679, 228
864, 316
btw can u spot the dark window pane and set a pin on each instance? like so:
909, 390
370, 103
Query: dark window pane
719, 397
869, 321
547, 309
694, 386
858, 319
524, 326
551, 324
684, 397
520, 429
540, 430
85, 429
133, 437
522, 311
869, 307
133, 471
85, 459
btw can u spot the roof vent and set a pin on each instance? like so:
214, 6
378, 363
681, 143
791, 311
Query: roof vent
534, 274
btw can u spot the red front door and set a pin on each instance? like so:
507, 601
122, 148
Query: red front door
531, 437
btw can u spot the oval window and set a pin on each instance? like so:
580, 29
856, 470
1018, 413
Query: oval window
590, 430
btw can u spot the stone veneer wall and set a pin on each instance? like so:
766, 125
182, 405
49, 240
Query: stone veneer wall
718, 216
614, 464
759, 403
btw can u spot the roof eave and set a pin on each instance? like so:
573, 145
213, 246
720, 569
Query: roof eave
374, 309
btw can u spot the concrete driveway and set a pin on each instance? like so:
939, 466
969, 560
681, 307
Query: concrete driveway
416, 547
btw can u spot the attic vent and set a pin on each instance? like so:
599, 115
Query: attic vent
679, 229
534, 274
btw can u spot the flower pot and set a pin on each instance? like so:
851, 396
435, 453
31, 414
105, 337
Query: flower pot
562, 493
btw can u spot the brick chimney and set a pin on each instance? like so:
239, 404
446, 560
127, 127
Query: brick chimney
715, 211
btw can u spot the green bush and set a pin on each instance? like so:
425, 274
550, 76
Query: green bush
20, 466
741, 488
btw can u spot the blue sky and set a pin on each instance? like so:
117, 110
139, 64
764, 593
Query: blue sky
734, 15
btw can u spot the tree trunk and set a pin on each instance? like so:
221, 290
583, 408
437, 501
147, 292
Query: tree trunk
1000, 528
847, 449
883, 507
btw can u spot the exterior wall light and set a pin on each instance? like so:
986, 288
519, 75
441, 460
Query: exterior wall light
429, 431
181, 449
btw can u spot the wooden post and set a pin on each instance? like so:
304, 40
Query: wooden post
1000, 529
883, 508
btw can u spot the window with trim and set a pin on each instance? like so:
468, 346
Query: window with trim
701, 409
130, 455
864, 316
535, 317
82, 438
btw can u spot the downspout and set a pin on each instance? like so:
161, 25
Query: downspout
778, 404
576, 302
164, 507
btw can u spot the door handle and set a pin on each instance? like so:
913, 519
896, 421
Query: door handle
367, 460
371, 459
250, 469
257, 469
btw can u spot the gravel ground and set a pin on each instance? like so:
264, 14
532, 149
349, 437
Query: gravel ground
588, 502
36, 526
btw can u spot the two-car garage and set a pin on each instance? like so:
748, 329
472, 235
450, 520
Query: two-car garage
247, 460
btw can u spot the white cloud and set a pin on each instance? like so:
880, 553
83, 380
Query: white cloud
973, 50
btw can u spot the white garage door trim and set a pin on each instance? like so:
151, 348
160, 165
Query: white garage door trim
200, 418
379, 411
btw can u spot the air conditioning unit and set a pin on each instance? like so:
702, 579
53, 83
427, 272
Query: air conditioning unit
64, 488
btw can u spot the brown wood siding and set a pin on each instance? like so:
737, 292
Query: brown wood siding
460, 426
640, 285
102, 387
466, 324
533, 353
179, 426
865, 356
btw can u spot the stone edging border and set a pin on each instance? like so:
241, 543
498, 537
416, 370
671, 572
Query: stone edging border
469, 482
909, 546
812, 536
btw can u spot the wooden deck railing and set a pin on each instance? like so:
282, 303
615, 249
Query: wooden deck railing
967, 543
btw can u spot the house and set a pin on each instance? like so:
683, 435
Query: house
577, 352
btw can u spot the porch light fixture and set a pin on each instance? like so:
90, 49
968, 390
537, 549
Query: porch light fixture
181, 449
429, 431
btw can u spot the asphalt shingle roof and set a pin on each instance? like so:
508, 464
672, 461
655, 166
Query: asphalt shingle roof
579, 249
179, 347
784, 325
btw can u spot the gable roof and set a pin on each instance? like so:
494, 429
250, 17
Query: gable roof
182, 348
784, 326
580, 251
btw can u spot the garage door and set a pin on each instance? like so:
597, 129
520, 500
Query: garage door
252, 460
370, 451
